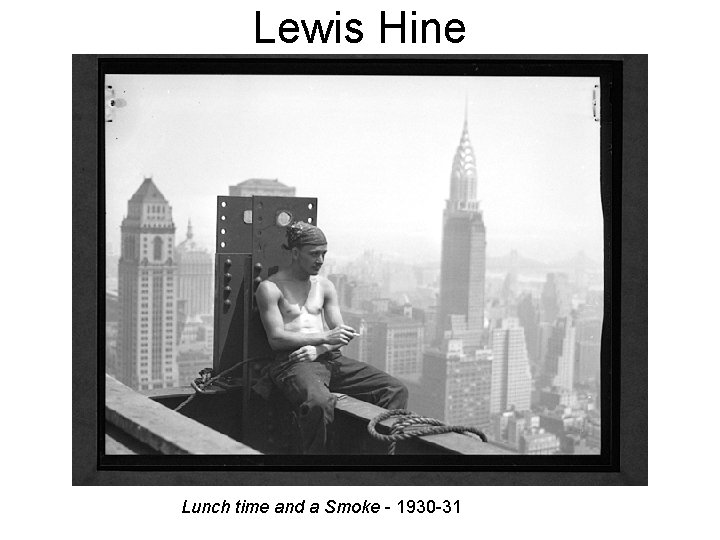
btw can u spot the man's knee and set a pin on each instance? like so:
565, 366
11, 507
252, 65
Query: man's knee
318, 404
396, 395
401, 395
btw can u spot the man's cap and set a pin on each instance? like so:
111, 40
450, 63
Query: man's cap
300, 234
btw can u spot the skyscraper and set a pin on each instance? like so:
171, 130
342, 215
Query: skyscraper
462, 268
587, 352
528, 313
195, 276
393, 343
456, 387
147, 292
560, 357
511, 380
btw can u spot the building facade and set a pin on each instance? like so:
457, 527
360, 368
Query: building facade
511, 379
462, 267
587, 352
455, 386
195, 276
393, 343
147, 287
560, 360
538, 442
528, 313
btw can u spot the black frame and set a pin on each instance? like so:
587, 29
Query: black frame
623, 142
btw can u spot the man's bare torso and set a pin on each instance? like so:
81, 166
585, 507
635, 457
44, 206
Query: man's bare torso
300, 302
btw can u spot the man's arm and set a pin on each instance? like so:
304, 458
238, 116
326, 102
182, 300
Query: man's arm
331, 312
331, 305
333, 317
267, 296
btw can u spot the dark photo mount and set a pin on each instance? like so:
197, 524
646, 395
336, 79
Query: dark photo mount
623, 152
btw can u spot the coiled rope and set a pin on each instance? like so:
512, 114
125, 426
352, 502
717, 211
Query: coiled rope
411, 425
205, 380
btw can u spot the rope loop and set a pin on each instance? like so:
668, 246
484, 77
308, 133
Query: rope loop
410, 425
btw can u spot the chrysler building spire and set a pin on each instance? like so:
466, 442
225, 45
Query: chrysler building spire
463, 179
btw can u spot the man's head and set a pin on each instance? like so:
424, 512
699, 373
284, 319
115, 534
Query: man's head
308, 246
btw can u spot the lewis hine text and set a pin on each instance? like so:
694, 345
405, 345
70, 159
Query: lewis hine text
394, 27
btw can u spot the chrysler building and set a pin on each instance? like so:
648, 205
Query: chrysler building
462, 269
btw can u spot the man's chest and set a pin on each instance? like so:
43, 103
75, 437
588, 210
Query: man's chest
298, 298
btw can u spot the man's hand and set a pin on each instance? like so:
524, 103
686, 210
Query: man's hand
340, 335
308, 353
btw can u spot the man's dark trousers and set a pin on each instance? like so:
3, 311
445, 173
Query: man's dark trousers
308, 386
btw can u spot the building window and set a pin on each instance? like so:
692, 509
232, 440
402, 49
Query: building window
129, 247
157, 248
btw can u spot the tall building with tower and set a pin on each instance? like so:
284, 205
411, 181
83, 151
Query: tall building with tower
147, 286
195, 276
462, 267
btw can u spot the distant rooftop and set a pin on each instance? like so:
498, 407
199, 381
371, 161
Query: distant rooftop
189, 246
262, 182
262, 186
148, 192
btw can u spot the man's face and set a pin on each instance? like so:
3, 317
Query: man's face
311, 258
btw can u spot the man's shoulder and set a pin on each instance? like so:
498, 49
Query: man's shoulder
268, 288
324, 282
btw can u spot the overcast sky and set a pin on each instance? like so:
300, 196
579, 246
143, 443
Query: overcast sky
377, 152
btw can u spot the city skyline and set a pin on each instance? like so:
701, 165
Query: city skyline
495, 380
536, 140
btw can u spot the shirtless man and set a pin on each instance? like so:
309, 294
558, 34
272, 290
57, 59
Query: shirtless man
294, 304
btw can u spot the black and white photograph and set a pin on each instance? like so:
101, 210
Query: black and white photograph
354, 265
